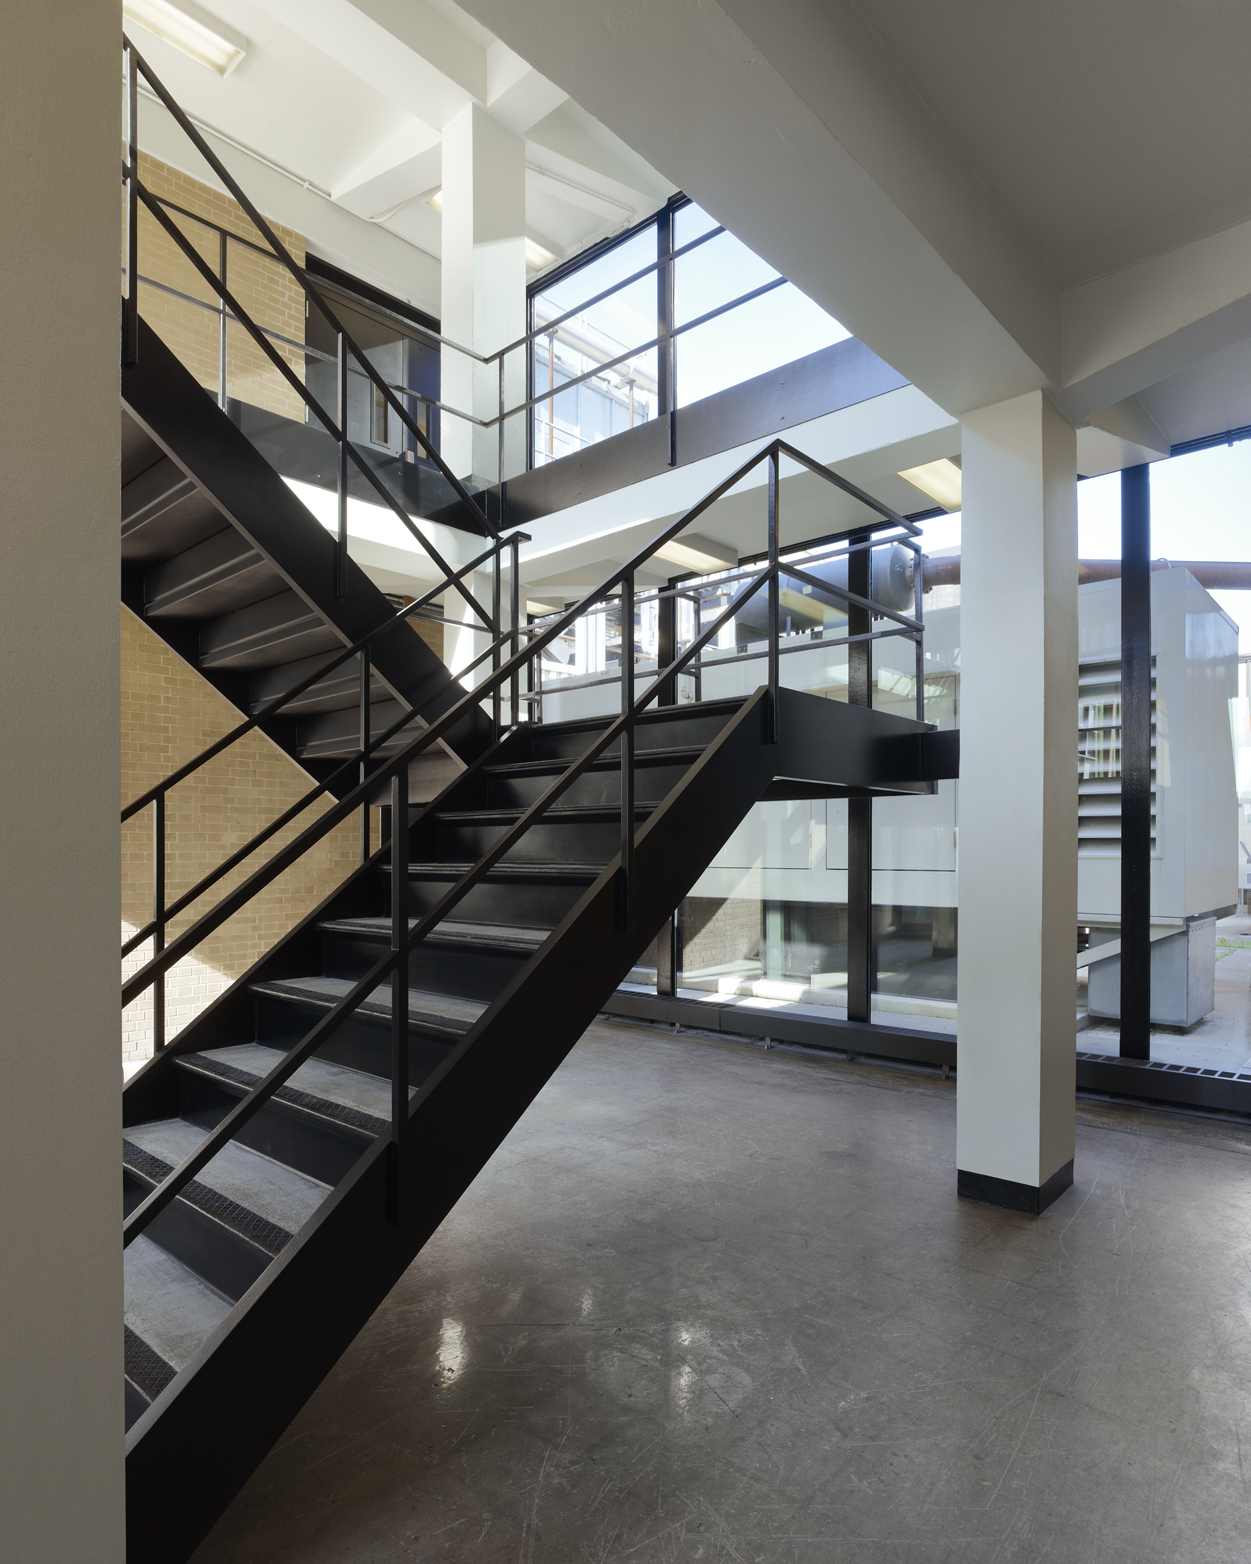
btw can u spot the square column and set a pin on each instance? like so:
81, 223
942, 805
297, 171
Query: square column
1018, 805
484, 289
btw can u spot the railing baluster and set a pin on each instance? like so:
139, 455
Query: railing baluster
365, 714
399, 984
158, 917
131, 346
514, 625
626, 900
222, 242
340, 563
774, 590
496, 632
917, 589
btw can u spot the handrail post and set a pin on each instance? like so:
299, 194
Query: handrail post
495, 638
625, 915
399, 986
499, 455
514, 624
365, 714
222, 242
774, 591
340, 565
158, 916
860, 952
917, 589
131, 341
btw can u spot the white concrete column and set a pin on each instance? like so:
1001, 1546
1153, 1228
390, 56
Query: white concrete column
61, 1438
484, 288
1018, 805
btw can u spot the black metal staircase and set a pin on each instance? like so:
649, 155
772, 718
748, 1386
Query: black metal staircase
287, 1155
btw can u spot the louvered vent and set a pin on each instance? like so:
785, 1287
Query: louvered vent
1099, 758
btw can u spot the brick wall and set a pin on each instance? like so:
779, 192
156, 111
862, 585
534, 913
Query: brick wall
169, 714
717, 932
265, 289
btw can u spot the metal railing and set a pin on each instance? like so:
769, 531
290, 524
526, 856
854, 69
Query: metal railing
619, 731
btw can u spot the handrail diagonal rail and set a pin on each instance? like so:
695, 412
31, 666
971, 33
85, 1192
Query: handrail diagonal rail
282, 860
496, 679
339, 433
168, 1190
301, 276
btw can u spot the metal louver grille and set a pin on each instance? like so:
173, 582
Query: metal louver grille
1099, 758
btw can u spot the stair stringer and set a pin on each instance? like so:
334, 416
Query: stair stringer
199, 1442
171, 407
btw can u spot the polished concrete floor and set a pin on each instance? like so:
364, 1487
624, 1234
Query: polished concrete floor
713, 1304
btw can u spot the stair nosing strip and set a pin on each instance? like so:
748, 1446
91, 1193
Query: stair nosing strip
293, 1096
145, 1368
238, 1218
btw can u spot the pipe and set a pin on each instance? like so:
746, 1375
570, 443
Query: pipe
1229, 575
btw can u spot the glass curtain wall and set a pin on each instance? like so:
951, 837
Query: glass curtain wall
600, 311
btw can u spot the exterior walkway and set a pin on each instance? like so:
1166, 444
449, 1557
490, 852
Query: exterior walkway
709, 1303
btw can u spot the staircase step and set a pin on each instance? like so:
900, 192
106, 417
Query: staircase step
277, 629
168, 1307
569, 814
262, 1200
337, 689
442, 1013
471, 936
610, 761
328, 735
163, 513
333, 1091
220, 574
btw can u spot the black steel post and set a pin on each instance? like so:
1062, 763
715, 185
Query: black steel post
626, 896
364, 745
666, 359
158, 917
496, 693
222, 242
667, 644
514, 625
1136, 762
131, 342
341, 553
774, 591
669, 954
859, 810
399, 984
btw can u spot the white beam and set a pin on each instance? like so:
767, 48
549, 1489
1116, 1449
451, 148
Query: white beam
516, 94
407, 163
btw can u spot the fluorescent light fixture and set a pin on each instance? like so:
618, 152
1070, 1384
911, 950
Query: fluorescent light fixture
693, 552
940, 480
537, 257
436, 200
190, 29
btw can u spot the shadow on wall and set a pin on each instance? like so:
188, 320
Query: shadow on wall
170, 713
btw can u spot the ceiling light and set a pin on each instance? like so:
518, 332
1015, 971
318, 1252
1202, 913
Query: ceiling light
940, 480
190, 29
537, 257
436, 200
699, 554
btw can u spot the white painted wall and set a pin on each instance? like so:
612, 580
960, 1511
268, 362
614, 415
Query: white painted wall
1018, 793
61, 1476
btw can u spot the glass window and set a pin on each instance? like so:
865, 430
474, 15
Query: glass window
623, 395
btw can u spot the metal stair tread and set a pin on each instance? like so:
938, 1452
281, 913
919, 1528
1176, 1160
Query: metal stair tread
277, 1198
570, 815
508, 871
491, 936
609, 762
349, 1097
169, 1307
444, 1011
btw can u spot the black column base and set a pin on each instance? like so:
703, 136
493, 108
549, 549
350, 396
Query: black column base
1029, 1198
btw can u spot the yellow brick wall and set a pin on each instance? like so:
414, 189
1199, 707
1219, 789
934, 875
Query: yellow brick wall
169, 714
264, 288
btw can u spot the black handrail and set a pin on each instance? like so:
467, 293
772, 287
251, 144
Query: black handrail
514, 665
403, 943
301, 276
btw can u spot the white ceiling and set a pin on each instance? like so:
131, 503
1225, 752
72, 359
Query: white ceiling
348, 98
